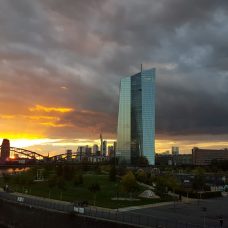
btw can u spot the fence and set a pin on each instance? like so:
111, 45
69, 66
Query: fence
120, 217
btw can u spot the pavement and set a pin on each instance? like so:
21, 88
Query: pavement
203, 212
132, 208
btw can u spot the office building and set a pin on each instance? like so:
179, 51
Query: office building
88, 151
110, 151
175, 150
114, 147
173, 159
101, 147
69, 155
136, 118
206, 156
5, 150
95, 149
104, 148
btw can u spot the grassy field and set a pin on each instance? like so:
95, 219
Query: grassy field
72, 193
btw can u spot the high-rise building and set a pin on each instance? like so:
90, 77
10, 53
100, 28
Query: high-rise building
104, 148
88, 151
114, 147
101, 146
5, 149
110, 151
175, 150
69, 155
136, 119
95, 149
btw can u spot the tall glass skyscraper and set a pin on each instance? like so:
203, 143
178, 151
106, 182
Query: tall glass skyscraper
136, 119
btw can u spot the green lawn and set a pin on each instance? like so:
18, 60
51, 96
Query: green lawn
72, 193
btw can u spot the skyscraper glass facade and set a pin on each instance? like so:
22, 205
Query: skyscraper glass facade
124, 121
136, 119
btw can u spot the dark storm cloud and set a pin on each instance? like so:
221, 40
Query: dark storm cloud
74, 53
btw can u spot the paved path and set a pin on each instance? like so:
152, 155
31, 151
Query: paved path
132, 208
193, 212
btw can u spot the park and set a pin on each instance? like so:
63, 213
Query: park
99, 185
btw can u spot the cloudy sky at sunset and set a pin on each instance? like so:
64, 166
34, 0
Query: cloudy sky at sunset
61, 62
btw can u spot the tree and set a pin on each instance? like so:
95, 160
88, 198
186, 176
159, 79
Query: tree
199, 179
84, 164
161, 186
28, 180
78, 179
129, 182
94, 188
122, 168
52, 181
142, 162
217, 165
97, 169
59, 170
61, 183
68, 172
6, 178
141, 176
112, 173
114, 161
173, 183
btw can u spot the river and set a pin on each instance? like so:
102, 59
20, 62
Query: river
13, 170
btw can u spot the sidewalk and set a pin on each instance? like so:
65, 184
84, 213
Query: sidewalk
184, 201
124, 209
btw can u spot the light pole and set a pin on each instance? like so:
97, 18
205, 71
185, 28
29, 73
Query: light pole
204, 216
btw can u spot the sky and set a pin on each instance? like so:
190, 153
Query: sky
61, 63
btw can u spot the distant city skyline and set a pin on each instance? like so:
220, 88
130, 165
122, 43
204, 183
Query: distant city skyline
60, 70
57, 146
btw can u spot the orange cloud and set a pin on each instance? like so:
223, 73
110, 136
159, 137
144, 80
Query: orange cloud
23, 135
50, 109
7, 117
52, 124
43, 118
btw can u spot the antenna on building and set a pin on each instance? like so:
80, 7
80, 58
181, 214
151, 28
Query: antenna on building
141, 67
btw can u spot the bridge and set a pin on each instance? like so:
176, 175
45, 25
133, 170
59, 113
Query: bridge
25, 153
20, 153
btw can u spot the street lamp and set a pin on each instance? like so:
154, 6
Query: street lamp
204, 216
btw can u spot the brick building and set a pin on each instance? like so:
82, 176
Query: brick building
206, 156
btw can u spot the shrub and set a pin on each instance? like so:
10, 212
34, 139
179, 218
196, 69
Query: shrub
94, 188
112, 174
61, 183
52, 181
141, 176
202, 195
78, 179
128, 182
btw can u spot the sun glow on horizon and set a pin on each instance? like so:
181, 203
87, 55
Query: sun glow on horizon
56, 146
26, 142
